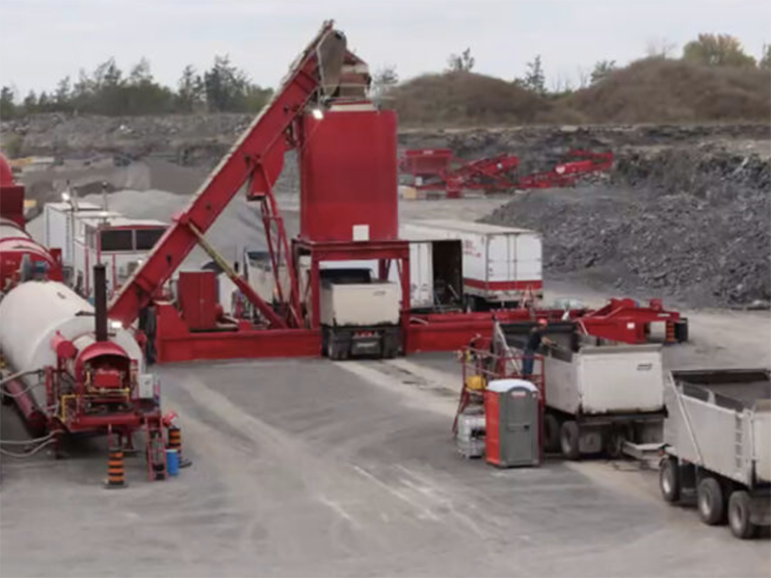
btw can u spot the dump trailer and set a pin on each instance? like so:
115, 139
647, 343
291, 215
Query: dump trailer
359, 316
600, 395
718, 445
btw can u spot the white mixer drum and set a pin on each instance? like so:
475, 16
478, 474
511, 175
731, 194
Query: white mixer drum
32, 313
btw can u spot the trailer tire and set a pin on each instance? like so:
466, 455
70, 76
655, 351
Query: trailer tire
669, 480
331, 350
739, 506
570, 438
710, 501
614, 443
551, 433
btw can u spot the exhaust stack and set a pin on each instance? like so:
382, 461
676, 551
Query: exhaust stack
100, 302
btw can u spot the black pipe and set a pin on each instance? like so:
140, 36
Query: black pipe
100, 301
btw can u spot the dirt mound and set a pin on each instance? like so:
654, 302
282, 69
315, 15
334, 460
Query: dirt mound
465, 98
662, 90
691, 223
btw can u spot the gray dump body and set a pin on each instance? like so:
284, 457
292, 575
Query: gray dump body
720, 420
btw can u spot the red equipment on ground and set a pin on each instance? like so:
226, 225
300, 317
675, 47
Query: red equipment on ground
343, 141
19, 254
63, 367
440, 170
346, 150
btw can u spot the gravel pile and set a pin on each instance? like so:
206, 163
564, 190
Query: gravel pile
693, 224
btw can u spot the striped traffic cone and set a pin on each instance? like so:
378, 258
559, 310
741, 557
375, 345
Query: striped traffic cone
116, 471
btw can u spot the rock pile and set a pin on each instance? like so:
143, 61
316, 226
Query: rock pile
694, 224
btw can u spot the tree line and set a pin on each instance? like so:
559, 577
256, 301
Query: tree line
707, 49
108, 90
226, 88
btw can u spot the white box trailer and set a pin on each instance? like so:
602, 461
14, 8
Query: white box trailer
502, 266
718, 444
436, 271
87, 234
359, 318
60, 223
599, 395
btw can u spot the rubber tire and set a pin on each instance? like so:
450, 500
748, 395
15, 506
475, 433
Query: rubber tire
669, 480
739, 516
614, 443
570, 437
710, 502
331, 350
551, 433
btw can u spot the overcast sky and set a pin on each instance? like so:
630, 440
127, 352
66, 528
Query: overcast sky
42, 41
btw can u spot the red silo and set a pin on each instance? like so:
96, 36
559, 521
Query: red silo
349, 175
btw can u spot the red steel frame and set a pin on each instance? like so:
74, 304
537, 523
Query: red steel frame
385, 252
257, 158
257, 155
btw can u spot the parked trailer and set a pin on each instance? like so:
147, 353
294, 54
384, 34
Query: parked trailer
718, 444
599, 395
436, 272
359, 316
501, 265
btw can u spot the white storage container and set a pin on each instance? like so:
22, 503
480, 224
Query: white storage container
360, 304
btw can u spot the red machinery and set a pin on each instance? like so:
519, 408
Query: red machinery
346, 149
19, 254
622, 320
439, 169
347, 155
66, 373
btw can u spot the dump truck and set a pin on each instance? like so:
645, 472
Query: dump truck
717, 440
359, 316
600, 395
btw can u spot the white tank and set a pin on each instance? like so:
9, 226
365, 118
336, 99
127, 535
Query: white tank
32, 313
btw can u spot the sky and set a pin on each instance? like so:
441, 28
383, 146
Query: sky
41, 41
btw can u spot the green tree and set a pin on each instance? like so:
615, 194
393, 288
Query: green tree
462, 62
225, 86
63, 95
602, 69
717, 50
765, 60
383, 80
30, 102
142, 95
191, 93
7, 102
535, 79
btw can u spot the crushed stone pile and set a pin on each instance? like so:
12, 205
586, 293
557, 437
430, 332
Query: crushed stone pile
689, 223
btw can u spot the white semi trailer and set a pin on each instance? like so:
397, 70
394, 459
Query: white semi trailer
501, 265
718, 445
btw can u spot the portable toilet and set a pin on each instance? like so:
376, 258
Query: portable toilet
512, 419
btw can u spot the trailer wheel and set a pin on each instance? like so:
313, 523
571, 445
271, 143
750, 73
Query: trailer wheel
551, 433
569, 440
710, 501
331, 350
739, 515
669, 480
614, 443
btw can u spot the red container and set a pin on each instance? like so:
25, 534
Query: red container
197, 297
349, 181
